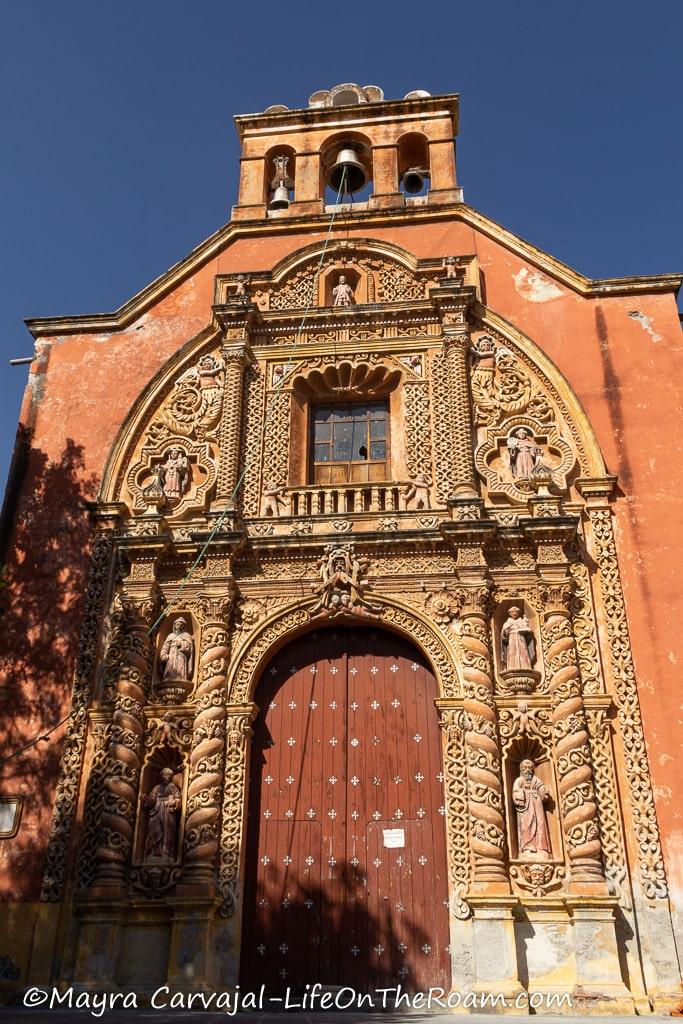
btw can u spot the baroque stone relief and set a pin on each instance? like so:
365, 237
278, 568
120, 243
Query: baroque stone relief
522, 456
176, 462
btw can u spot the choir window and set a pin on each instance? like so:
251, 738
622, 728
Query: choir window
349, 443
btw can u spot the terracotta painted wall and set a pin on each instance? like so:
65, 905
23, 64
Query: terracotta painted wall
625, 371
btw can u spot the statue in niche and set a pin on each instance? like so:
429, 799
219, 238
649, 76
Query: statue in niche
451, 268
518, 648
163, 804
274, 500
175, 474
418, 492
525, 455
342, 293
529, 795
177, 653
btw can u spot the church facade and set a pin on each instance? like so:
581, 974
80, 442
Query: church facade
343, 554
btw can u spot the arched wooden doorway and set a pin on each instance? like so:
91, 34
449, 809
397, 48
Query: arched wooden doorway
346, 879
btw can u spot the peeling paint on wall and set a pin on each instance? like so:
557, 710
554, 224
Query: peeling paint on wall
535, 287
646, 323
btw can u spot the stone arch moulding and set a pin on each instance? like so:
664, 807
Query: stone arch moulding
293, 620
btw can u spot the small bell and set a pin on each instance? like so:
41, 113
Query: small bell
280, 200
347, 160
413, 180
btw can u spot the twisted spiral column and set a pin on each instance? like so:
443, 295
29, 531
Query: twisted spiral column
572, 745
129, 655
206, 755
484, 784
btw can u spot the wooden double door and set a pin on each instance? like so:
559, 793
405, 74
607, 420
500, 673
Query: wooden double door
346, 878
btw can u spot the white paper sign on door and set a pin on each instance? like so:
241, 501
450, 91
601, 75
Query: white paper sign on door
394, 838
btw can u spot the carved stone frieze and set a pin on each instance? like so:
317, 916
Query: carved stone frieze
613, 851
238, 734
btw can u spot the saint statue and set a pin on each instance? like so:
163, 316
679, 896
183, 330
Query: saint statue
525, 455
177, 652
517, 645
163, 804
343, 295
418, 491
528, 795
175, 473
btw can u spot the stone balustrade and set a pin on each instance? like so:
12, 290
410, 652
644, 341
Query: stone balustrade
342, 499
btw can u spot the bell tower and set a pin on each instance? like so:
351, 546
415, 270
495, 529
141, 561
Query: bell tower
389, 153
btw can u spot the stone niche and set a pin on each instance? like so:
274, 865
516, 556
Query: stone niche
175, 666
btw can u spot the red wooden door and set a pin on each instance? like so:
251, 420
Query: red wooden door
346, 855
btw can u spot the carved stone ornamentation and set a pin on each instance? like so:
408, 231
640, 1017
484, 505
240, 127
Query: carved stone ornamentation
502, 387
538, 879
163, 806
455, 793
442, 607
484, 784
133, 668
66, 795
577, 796
417, 494
611, 835
343, 583
274, 501
206, 755
516, 459
418, 432
651, 862
238, 734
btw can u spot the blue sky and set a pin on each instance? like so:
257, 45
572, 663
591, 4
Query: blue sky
119, 154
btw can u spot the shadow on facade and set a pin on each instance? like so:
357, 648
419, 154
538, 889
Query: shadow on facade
46, 566
326, 933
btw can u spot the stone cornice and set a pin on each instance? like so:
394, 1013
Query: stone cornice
457, 212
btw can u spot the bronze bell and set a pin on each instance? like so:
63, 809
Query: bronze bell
280, 200
413, 180
347, 160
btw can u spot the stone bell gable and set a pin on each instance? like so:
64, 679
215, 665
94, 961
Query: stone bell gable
385, 462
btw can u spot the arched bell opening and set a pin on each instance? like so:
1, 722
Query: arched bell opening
346, 870
413, 165
280, 178
347, 168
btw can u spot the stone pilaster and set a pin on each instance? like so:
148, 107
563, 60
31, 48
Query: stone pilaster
452, 722
129, 658
453, 304
237, 747
236, 354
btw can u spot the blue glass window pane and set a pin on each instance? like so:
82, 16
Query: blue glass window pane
322, 453
378, 450
341, 444
377, 430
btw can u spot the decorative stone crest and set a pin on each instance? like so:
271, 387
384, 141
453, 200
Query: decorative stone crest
343, 585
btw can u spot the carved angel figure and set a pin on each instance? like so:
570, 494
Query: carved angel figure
529, 795
177, 652
342, 582
163, 804
241, 286
342, 294
274, 499
418, 491
518, 649
175, 474
450, 267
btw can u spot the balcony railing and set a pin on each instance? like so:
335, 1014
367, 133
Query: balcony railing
319, 500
